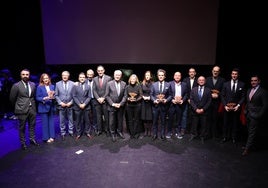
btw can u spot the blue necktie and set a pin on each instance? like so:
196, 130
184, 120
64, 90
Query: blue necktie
200, 93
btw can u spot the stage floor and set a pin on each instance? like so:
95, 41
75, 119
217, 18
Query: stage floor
127, 162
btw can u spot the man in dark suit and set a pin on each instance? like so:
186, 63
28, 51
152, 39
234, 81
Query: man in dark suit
22, 96
191, 82
160, 96
116, 98
81, 99
232, 97
92, 113
214, 83
99, 88
255, 110
179, 94
200, 99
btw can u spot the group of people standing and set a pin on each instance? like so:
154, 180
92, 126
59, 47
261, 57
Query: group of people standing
96, 105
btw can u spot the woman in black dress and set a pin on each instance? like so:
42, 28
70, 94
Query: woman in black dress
146, 105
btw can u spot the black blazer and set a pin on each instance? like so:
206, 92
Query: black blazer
205, 101
81, 96
218, 85
227, 96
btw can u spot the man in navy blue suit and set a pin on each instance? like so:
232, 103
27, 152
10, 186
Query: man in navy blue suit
81, 97
179, 94
200, 99
160, 97
232, 97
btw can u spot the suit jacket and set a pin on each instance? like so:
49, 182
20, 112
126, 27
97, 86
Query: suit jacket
256, 108
112, 96
218, 85
188, 83
227, 96
205, 101
44, 106
100, 91
155, 91
20, 98
62, 95
184, 91
81, 96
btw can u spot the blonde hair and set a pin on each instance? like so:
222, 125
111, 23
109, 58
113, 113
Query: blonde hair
133, 76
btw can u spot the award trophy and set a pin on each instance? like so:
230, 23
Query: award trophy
178, 99
215, 91
161, 97
231, 105
51, 94
132, 96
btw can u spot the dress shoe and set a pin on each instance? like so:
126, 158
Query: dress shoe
182, 132
245, 152
98, 133
202, 140
233, 141
121, 135
24, 147
62, 137
71, 135
191, 138
223, 140
113, 138
33, 142
163, 138
89, 136
154, 137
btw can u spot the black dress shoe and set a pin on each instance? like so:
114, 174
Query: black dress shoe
162, 138
113, 138
191, 138
121, 135
223, 140
245, 152
71, 135
202, 140
154, 137
62, 137
77, 137
89, 136
98, 133
24, 147
33, 142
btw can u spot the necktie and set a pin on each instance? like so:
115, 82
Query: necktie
82, 86
251, 93
200, 93
161, 87
27, 89
65, 86
233, 88
118, 88
90, 83
100, 81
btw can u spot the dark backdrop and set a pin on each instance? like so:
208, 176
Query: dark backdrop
241, 31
